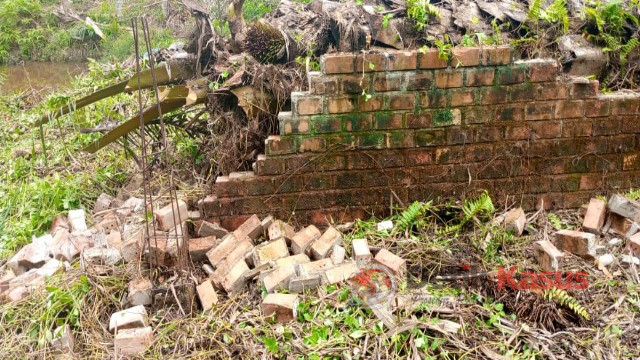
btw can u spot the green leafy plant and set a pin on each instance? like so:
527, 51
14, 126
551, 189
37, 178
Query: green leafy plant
557, 223
555, 13
408, 217
386, 20
562, 298
480, 207
445, 48
420, 11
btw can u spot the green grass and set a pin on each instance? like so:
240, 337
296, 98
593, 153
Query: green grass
39, 184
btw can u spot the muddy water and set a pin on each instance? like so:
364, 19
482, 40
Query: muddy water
38, 75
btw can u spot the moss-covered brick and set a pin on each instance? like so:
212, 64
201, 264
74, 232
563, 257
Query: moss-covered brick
569, 109
551, 91
326, 124
421, 80
480, 76
462, 97
269, 165
399, 139
509, 113
389, 81
280, 145
497, 55
539, 110
493, 95
373, 139
625, 105
388, 120
433, 137
342, 104
355, 84
318, 181
418, 120
522, 92
348, 180
358, 122
449, 78
339, 141
433, 98
443, 117
513, 74
312, 144
577, 128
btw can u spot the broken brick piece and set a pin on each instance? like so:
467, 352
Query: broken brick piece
338, 254
340, 273
251, 228
624, 207
134, 317
395, 263
315, 267
198, 247
634, 242
595, 216
293, 260
280, 229
103, 202
321, 247
234, 280
576, 242
515, 220
218, 253
361, 252
77, 220
620, 225
284, 306
207, 229
207, 295
301, 241
140, 291
299, 284
169, 216
278, 278
547, 255
266, 222
131, 342
270, 251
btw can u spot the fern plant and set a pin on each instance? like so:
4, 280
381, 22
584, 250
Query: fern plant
562, 298
420, 11
479, 207
410, 215
556, 13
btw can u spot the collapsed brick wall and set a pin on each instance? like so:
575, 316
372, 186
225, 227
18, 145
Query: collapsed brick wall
395, 127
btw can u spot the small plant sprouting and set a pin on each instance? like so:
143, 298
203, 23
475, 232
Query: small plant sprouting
420, 11
443, 117
445, 48
386, 20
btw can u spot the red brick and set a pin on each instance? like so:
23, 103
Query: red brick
338, 63
576, 242
371, 62
301, 241
542, 70
429, 60
207, 295
388, 120
338, 105
521, 92
448, 78
480, 77
607, 126
576, 128
631, 162
388, 81
497, 55
355, 84
546, 129
433, 99
419, 120
420, 81
312, 144
624, 105
590, 182
539, 111
402, 101
320, 84
374, 103
308, 105
280, 145
297, 126
515, 220
520, 132
488, 134
468, 56
595, 216
552, 91
569, 109
403, 60
396, 264
493, 95
269, 166
283, 306
547, 255
584, 89
399, 139
461, 97
597, 107
509, 113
